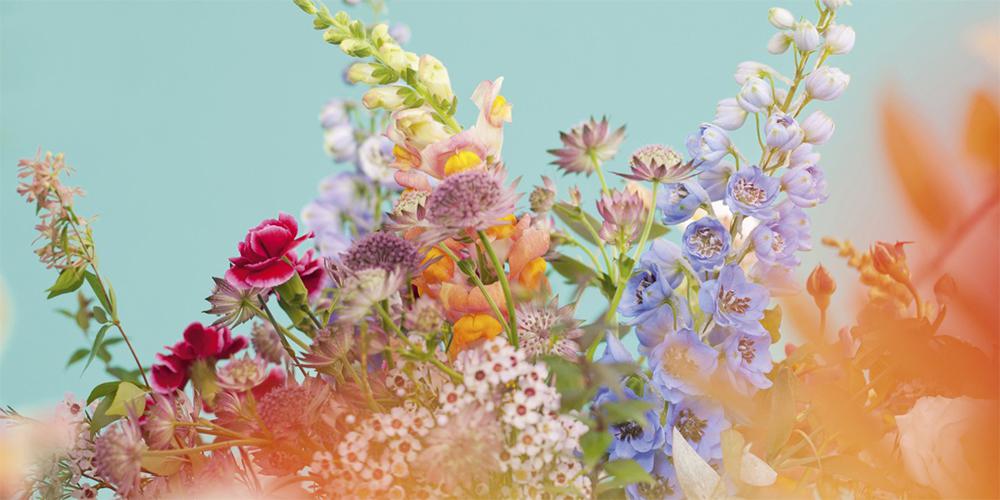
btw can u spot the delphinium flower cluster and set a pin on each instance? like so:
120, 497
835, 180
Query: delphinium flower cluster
407, 341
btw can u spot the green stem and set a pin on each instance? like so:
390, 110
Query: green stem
593, 234
613, 310
479, 284
457, 377
208, 447
600, 173
504, 284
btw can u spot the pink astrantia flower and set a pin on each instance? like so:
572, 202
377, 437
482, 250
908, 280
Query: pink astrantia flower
586, 143
200, 342
475, 200
242, 374
623, 213
118, 456
263, 261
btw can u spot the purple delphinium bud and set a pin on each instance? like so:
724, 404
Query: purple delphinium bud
839, 39
818, 128
752, 193
826, 83
782, 132
806, 36
755, 95
729, 115
708, 145
715, 179
805, 186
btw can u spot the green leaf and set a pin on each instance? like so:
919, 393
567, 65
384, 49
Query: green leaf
68, 281
782, 414
572, 217
772, 323
105, 389
100, 315
657, 230
628, 471
575, 272
594, 445
128, 396
629, 410
98, 289
97, 345
101, 419
77, 356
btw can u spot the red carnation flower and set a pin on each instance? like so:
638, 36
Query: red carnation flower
200, 342
264, 260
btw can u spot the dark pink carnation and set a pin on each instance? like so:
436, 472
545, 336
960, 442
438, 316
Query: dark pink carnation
262, 262
200, 342
310, 270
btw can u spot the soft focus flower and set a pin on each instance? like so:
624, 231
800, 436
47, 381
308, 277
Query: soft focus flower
335, 112
776, 241
623, 215
382, 250
425, 316
548, 328
310, 270
639, 441
936, 438
826, 83
473, 328
748, 360
340, 143
464, 454
780, 18
162, 415
262, 261
818, 127
267, 343
664, 485
434, 76
701, 422
242, 374
839, 39
747, 69
118, 456
682, 365
755, 95
781, 131
474, 200
706, 243
233, 305
729, 114
678, 201
805, 186
752, 193
200, 343
587, 146
805, 35
836, 4
363, 289
890, 259
708, 145
779, 42
543, 197
803, 156
734, 301
715, 179
374, 159
821, 286
400, 32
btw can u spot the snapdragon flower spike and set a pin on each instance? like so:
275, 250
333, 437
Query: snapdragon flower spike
734, 301
751, 192
586, 142
656, 163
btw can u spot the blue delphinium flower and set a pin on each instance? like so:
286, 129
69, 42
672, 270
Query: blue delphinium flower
665, 486
752, 193
639, 441
732, 300
653, 281
805, 185
708, 145
682, 365
678, 201
748, 360
706, 243
651, 327
701, 422
776, 241
615, 351
715, 179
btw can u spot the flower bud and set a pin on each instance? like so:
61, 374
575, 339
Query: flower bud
818, 128
755, 96
945, 289
395, 57
803, 156
890, 260
362, 73
543, 197
433, 75
782, 132
729, 115
779, 43
388, 98
355, 48
826, 83
821, 286
836, 4
806, 37
380, 34
780, 18
839, 39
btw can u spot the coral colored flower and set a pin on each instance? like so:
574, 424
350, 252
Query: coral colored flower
586, 146
439, 267
200, 343
263, 260
472, 328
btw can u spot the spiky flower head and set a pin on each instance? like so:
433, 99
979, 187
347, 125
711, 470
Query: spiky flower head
267, 343
363, 289
587, 146
658, 163
242, 374
382, 250
548, 329
623, 213
473, 200
162, 416
118, 456
543, 197
425, 316
233, 305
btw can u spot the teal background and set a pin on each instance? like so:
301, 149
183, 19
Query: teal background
190, 121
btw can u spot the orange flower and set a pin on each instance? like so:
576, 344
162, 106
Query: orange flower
533, 273
441, 270
473, 328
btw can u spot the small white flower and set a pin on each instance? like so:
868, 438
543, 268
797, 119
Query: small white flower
805, 35
826, 83
780, 18
755, 96
839, 39
779, 42
729, 115
836, 4
818, 127
782, 132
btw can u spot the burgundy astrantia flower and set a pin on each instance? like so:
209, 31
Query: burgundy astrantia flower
200, 342
263, 261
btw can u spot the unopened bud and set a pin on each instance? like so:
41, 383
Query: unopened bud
362, 73
779, 43
806, 36
780, 18
890, 259
388, 98
945, 289
821, 286
839, 39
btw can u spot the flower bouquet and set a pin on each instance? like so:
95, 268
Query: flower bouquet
403, 337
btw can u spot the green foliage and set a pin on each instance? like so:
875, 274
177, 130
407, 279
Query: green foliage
69, 280
594, 445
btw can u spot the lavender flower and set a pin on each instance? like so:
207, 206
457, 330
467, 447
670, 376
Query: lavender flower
664, 487
374, 159
382, 250
587, 146
654, 279
748, 360
776, 241
708, 145
340, 143
732, 300
639, 441
678, 201
729, 114
706, 243
752, 193
623, 213
653, 326
682, 365
817, 128
805, 186
701, 422
755, 95
335, 112
715, 179
782, 132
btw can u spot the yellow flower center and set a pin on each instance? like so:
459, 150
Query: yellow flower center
441, 270
502, 231
500, 110
533, 273
473, 327
461, 161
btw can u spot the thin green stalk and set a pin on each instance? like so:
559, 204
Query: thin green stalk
399, 333
623, 277
479, 284
600, 173
504, 284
